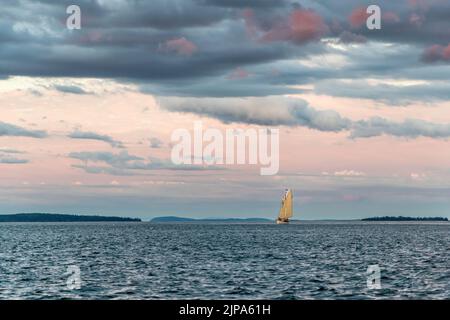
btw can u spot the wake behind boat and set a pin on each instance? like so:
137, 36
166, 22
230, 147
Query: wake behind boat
286, 210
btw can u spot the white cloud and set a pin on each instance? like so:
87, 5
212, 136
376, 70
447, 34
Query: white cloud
349, 173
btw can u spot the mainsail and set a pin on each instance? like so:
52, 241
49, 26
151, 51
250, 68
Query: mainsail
286, 206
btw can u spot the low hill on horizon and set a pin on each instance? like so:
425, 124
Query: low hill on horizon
55, 217
401, 218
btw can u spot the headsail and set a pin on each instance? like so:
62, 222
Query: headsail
286, 205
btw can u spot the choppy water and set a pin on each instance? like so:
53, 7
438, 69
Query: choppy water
263, 261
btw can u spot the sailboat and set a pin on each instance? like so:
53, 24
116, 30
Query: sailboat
286, 211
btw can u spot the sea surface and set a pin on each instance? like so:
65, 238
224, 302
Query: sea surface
313, 260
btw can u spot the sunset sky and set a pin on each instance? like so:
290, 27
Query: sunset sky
87, 115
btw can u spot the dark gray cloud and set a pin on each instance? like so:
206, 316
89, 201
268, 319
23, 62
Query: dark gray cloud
89, 135
156, 142
164, 15
387, 93
12, 160
426, 22
350, 37
103, 170
104, 156
125, 164
410, 128
245, 3
224, 87
123, 40
70, 89
11, 130
10, 151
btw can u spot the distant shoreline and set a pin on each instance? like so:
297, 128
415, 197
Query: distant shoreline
53, 217
171, 219
400, 218
174, 219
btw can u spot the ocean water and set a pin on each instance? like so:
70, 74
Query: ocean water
314, 260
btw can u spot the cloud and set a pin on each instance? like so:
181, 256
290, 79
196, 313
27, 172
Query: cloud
349, 37
162, 15
300, 27
358, 17
410, 128
180, 46
209, 39
416, 20
276, 111
238, 73
418, 176
156, 143
70, 89
401, 23
266, 4
436, 53
104, 156
11, 130
390, 17
389, 92
125, 164
11, 160
296, 112
103, 170
114, 32
323, 120
89, 135
349, 173
8, 150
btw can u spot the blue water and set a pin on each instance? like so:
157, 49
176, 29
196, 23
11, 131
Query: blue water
314, 260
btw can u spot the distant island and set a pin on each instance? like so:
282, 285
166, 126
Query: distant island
400, 218
211, 220
50, 217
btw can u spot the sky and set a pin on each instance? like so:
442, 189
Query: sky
87, 114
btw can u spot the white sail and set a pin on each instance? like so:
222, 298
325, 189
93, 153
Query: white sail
286, 210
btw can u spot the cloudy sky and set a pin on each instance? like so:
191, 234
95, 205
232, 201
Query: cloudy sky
87, 115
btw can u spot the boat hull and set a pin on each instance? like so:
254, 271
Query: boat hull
282, 221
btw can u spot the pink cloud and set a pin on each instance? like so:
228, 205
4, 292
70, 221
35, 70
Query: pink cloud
250, 22
418, 4
93, 37
436, 53
351, 197
447, 52
390, 17
416, 20
301, 26
180, 46
238, 73
358, 17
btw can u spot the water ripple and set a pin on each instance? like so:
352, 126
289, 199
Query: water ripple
207, 261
